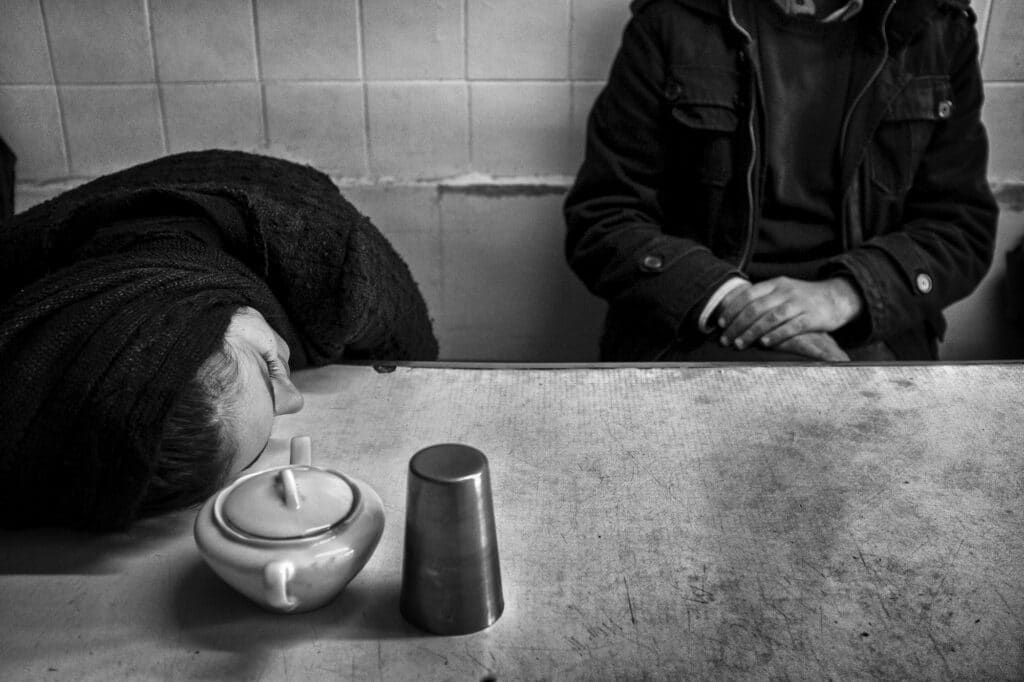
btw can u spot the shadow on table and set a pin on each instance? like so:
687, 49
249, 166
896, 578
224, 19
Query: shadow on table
212, 615
57, 551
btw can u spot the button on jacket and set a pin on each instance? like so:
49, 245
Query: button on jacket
674, 171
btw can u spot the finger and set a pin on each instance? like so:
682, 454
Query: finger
796, 324
749, 316
834, 349
803, 347
729, 301
815, 345
739, 299
785, 316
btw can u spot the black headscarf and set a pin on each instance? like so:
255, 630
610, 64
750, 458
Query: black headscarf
113, 295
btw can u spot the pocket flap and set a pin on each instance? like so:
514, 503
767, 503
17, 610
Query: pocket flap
926, 98
704, 98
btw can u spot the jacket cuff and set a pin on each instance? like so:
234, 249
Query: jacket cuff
672, 290
704, 323
895, 291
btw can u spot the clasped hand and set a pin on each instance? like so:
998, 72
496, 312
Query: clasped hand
789, 314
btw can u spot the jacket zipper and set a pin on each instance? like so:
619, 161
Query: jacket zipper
748, 245
849, 114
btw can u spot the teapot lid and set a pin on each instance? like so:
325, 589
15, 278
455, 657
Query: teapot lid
288, 503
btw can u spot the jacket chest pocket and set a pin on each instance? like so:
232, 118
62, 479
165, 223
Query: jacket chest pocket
705, 111
905, 130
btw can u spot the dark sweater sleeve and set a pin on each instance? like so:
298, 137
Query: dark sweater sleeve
346, 291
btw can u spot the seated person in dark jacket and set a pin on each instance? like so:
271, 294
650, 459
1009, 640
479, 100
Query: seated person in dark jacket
785, 179
149, 321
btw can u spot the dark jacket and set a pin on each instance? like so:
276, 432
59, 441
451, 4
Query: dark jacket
666, 205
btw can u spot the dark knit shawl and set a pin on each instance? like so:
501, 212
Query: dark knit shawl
108, 308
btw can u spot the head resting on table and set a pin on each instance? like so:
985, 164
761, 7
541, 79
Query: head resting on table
136, 382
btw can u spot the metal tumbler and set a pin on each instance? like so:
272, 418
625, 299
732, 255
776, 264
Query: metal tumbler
451, 581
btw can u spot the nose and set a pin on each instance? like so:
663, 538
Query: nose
288, 400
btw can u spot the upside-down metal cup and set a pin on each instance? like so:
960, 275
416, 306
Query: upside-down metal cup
451, 582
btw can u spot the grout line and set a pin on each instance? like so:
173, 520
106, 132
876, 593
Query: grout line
66, 148
470, 152
264, 118
572, 84
465, 39
323, 81
984, 36
361, 53
569, 40
470, 149
164, 133
441, 255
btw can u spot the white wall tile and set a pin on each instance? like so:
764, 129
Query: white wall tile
1003, 115
1004, 51
213, 115
396, 208
111, 127
408, 40
27, 196
30, 124
409, 216
521, 128
308, 39
99, 41
525, 39
597, 27
24, 56
318, 123
508, 294
200, 40
981, 8
583, 97
977, 324
418, 130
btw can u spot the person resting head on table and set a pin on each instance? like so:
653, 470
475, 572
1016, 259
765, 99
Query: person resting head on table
785, 180
150, 319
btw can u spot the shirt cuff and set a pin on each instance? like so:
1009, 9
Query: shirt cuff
716, 298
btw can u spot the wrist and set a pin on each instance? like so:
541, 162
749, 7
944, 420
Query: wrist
846, 298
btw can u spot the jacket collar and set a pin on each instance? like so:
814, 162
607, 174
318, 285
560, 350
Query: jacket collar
907, 18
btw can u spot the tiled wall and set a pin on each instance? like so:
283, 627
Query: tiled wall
374, 89
454, 124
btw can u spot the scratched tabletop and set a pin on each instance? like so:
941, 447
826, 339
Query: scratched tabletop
739, 522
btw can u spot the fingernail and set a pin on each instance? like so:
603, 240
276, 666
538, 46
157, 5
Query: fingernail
764, 340
721, 322
724, 341
738, 343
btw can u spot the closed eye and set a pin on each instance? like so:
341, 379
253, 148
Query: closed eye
277, 369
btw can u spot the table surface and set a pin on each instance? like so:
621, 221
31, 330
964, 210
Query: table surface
715, 521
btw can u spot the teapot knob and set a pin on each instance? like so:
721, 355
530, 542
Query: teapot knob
289, 489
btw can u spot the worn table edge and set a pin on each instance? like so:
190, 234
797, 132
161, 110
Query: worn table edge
388, 366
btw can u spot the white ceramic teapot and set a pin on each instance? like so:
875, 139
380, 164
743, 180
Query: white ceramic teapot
290, 538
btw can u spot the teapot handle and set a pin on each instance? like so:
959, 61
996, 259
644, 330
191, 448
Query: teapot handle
276, 576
